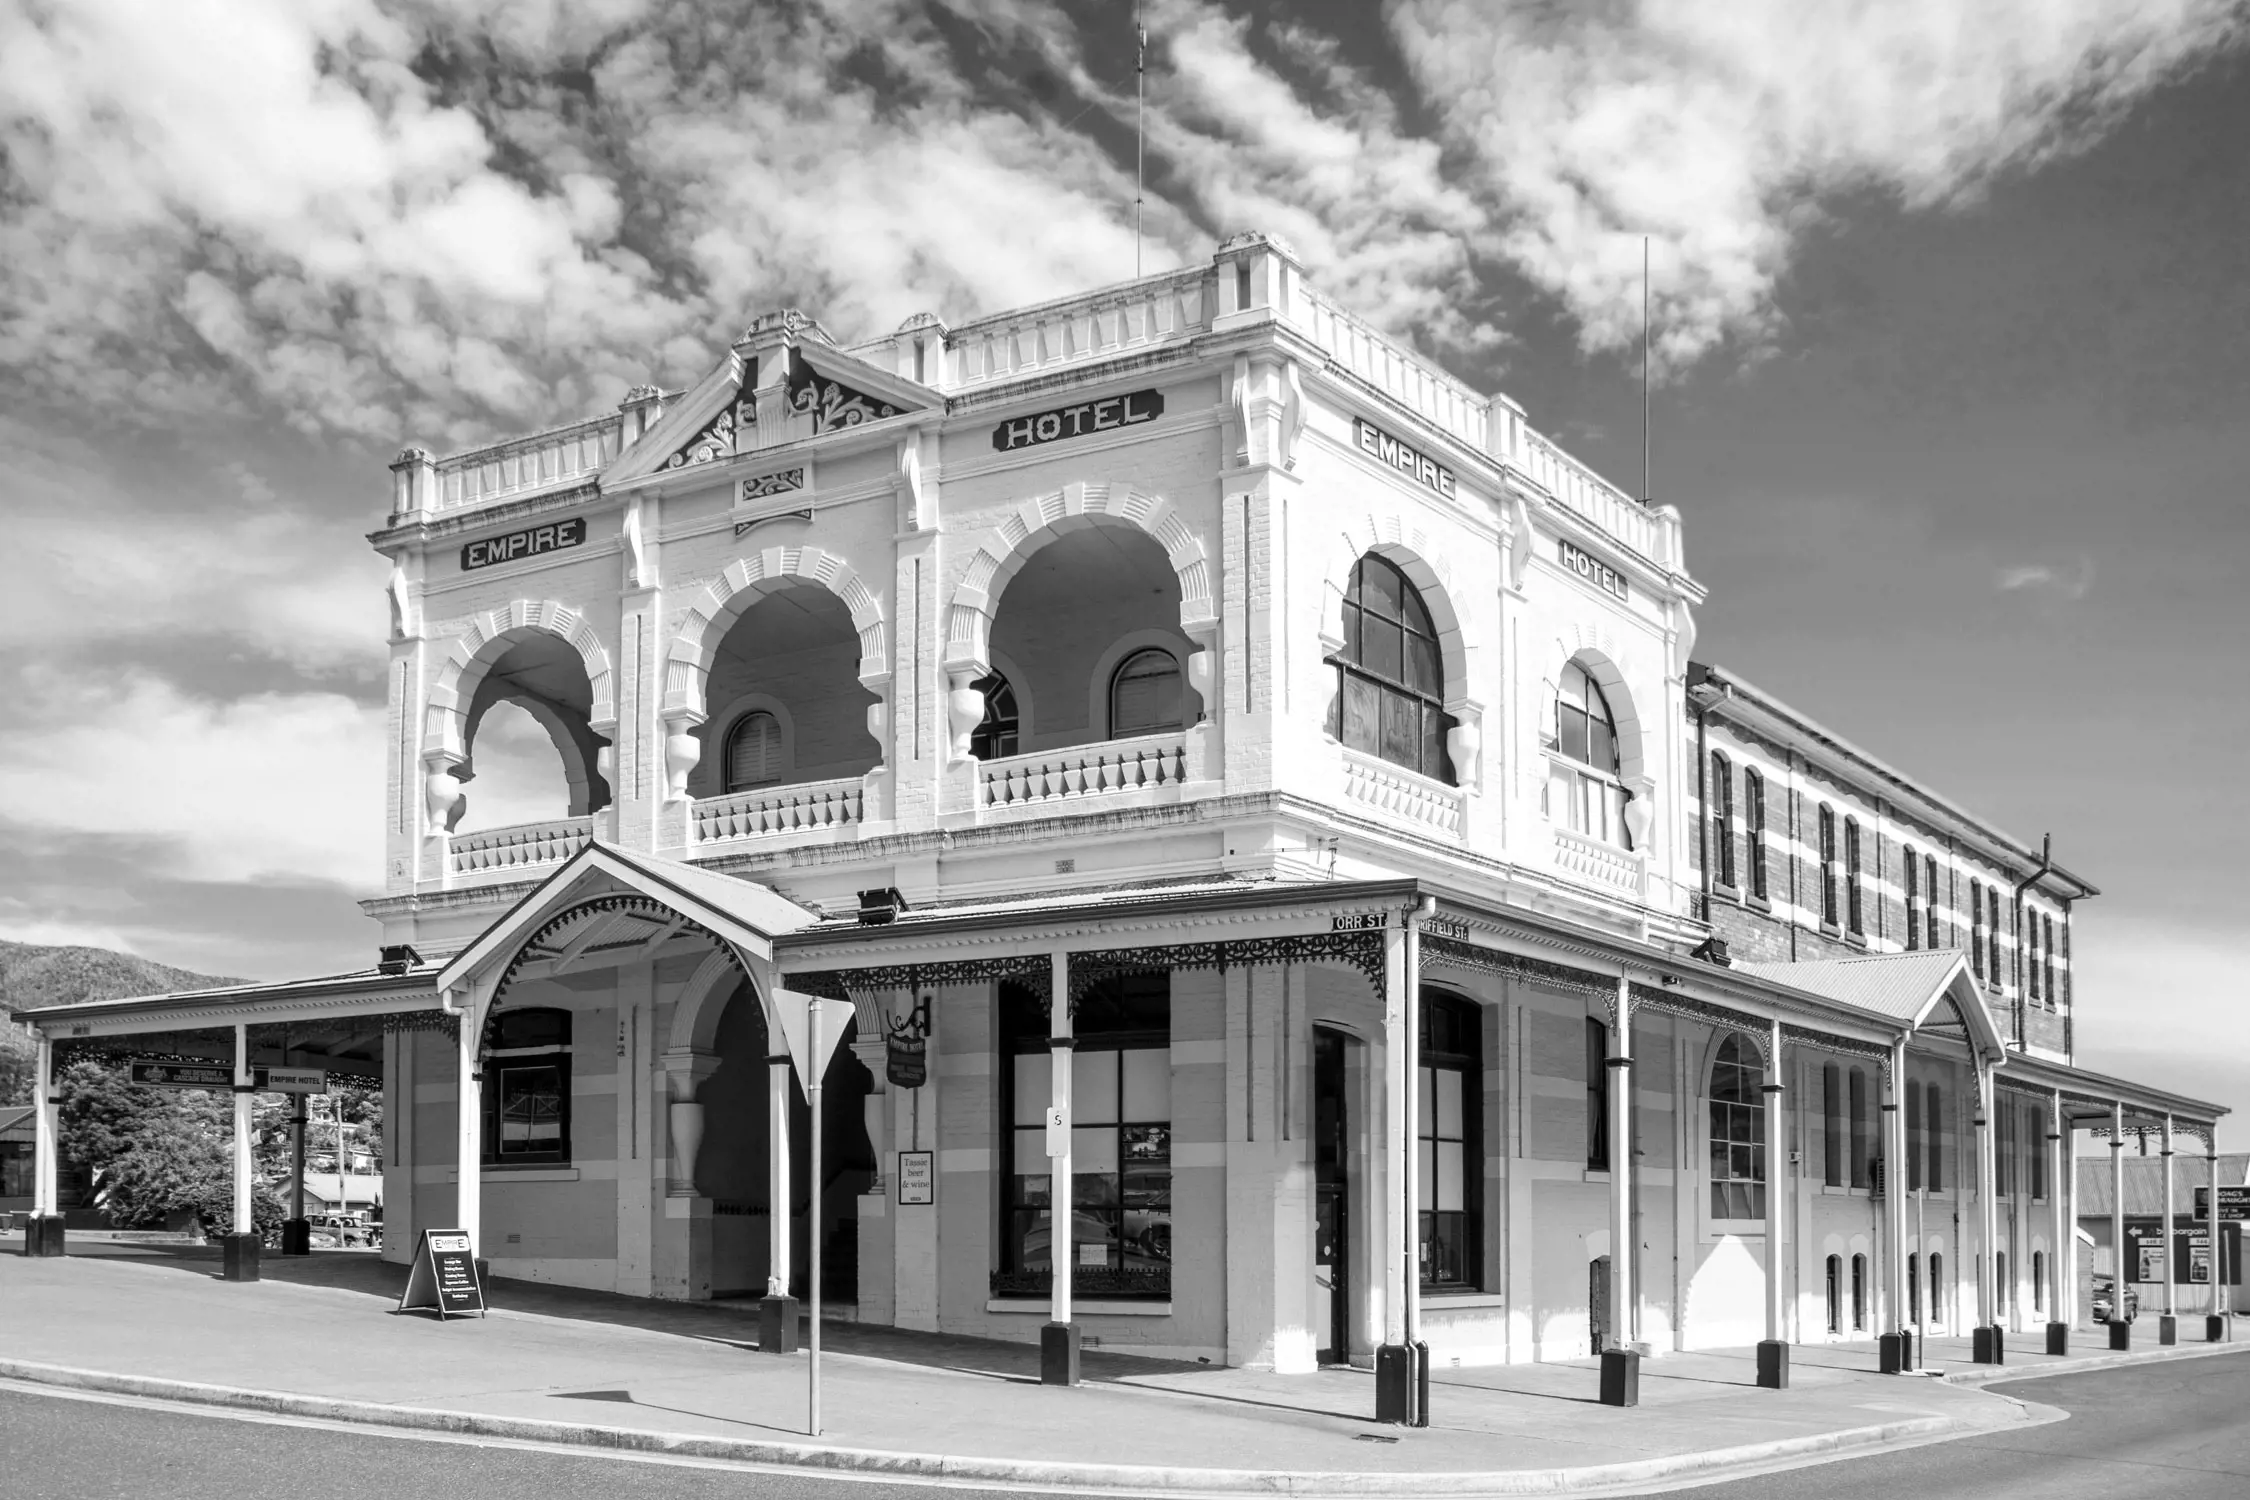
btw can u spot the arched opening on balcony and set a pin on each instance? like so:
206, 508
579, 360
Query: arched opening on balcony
1090, 623
531, 756
788, 719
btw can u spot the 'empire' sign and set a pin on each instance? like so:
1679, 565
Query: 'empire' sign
1592, 569
1077, 421
530, 543
1391, 453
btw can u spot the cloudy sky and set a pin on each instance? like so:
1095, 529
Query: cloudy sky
1950, 315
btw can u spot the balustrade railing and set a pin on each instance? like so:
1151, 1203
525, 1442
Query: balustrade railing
1150, 762
1403, 376
1599, 862
1403, 794
1135, 316
769, 810
518, 846
529, 463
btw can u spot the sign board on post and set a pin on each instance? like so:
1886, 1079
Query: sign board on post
444, 1277
172, 1075
2234, 1202
917, 1177
292, 1081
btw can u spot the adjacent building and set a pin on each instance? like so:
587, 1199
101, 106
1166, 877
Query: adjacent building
1245, 783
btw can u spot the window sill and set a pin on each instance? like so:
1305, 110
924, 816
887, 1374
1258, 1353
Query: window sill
1080, 1307
1856, 939
1726, 892
1831, 930
542, 1173
1434, 1300
1759, 903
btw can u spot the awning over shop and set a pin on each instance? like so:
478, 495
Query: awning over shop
1930, 993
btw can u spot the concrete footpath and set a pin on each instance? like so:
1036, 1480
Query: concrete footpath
318, 1339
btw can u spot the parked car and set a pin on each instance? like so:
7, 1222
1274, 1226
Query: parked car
2105, 1289
344, 1231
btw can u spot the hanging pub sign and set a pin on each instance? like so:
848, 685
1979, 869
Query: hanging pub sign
906, 1061
1393, 454
1082, 420
444, 1277
172, 1075
530, 542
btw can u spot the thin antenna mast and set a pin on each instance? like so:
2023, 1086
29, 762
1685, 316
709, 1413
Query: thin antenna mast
1644, 370
1140, 126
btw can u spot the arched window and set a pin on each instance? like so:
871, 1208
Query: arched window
1913, 868
1827, 865
1449, 1142
526, 1093
1854, 914
1859, 1293
1932, 931
1738, 1133
1992, 934
1835, 1294
1913, 1288
1722, 820
1976, 927
1859, 1162
2038, 1281
1390, 690
1832, 1123
1937, 1287
1913, 1093
754, 755
1754, 830
995, 736
1933, 1136
1144, 694
1592, 795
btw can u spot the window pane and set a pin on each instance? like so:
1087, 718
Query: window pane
1422, 668
1412, 610
1381, 650
1352, 635
1093, 1088
1570, 724
1402, 729
1032, 1096
1601, 745
1093, 1152
1032, 1165
1379, 586
1363, 715
1425, 1170
1425, 1103
531, 1105
1449, 1104
1434, 725
1148, 1083
1451, 1184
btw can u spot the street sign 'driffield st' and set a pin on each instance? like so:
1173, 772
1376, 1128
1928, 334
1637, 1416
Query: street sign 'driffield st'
444, 1277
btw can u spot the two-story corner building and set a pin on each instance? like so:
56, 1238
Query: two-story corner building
1247, 784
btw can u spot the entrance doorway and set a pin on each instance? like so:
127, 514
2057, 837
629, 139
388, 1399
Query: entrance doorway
1331, 1308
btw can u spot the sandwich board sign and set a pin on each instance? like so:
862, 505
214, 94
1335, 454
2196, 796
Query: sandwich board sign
444, 1277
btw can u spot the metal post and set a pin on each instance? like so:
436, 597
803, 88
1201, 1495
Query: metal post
815, 1069
2168, 1325
1773, 1354
1394, 1364
777, 1310
2120, 1328
1059, 1340
468, 1122
2215, 1326
1894, 1357
45, 1235
1418, 1353
2060, 1230
1621, 1363
1989, 1345
240, 1246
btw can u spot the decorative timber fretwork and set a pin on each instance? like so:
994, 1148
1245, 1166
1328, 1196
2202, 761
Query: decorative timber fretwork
1453, 953
1360, 950
534, 949
831, 404
1670, 1002
1034, 971
444, 1022
1807, 1036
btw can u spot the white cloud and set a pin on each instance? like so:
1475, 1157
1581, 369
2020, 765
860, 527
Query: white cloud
274, 786
1721, 129
2070, 583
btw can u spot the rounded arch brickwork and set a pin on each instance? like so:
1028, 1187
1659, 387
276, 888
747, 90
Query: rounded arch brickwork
968, 621
1423, 561
741, 584
1596, 648
482, 641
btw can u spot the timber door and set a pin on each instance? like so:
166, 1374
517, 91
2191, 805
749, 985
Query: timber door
1331, 1201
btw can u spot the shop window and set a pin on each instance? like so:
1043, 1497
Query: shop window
1832, 1124
1449, 1141
1933, 1137
1589, 787
1860, 1131
1144, 694
1854, 915
1390, 675
1827, 866
526, 1090
1754, 830
1738, 1133
1597, 1096
754, 751
1121, 1140
995, 735
1722, 820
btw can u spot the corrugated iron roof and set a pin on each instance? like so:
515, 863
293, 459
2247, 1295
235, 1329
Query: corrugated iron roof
1897, 986
2144, 1181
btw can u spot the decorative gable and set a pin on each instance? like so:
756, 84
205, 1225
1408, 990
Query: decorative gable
831, 404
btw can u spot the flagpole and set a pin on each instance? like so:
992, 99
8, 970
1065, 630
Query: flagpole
1140, 128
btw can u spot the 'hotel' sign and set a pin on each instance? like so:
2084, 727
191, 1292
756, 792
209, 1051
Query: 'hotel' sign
1593, 570
1078, 421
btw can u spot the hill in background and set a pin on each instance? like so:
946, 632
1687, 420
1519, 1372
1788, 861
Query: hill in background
32, 975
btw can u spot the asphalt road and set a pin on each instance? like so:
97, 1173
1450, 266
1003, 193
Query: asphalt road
2180, 1431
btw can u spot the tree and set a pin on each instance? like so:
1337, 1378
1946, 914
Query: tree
154, 1153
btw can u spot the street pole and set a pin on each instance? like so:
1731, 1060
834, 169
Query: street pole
813, 1072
